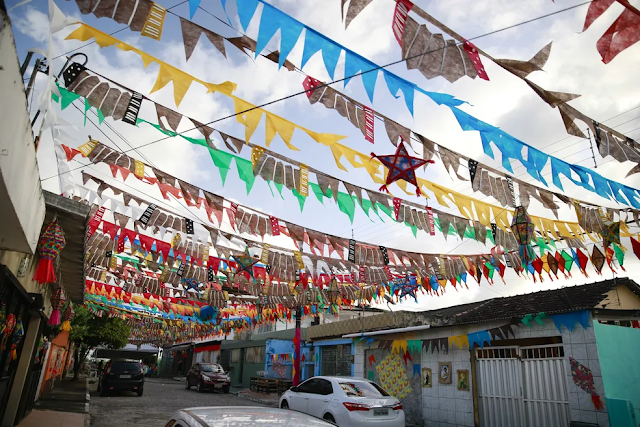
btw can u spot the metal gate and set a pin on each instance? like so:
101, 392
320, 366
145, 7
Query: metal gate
336, 360
522, 386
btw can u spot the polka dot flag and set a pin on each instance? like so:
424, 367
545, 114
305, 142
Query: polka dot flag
472, 51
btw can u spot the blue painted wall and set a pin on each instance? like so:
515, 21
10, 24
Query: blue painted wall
281, 347
618, 351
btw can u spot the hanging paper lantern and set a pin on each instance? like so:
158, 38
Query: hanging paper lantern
523, 231
57, 302
610, 232
67, 317
49, 246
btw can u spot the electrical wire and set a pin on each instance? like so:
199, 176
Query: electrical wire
378, 68
111, 34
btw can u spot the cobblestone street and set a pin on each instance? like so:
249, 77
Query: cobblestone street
154, 408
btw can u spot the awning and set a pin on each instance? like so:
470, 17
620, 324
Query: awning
180, 347
210, 347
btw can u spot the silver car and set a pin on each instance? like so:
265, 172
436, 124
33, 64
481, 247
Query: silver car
241, 416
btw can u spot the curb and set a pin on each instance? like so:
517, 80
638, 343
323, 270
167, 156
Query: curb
255, 399
87, 415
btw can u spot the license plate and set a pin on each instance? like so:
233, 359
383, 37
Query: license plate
380, 412
217, 386
125, 376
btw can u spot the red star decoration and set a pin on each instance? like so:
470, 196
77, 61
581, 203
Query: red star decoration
401, 167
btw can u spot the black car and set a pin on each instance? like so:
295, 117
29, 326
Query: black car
121, 375
208, 376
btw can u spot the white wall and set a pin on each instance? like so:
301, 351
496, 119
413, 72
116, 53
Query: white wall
446, 406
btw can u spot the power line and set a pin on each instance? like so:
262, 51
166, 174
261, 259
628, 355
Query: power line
111, 34
378, 68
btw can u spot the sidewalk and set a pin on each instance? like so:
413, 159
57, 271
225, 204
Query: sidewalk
66, 405
268, 399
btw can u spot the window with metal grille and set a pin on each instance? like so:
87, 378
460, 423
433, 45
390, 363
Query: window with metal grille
497, 353
336, 360
542, 352
235, 355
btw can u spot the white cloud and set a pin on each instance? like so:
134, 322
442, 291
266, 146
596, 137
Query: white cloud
34, 23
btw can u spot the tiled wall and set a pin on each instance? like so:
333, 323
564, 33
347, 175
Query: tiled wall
446, 406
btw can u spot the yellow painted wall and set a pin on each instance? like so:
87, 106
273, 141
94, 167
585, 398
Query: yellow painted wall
620, 298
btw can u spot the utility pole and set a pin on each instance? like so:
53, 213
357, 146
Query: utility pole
297, 352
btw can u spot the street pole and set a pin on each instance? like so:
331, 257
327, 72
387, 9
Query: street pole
297, 340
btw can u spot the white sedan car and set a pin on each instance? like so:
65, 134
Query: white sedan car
346, 402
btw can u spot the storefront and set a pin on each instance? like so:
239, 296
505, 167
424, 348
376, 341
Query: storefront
207, 352
20, 317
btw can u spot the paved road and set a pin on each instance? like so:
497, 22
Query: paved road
154, 408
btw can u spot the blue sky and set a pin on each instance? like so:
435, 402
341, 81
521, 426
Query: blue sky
505, 101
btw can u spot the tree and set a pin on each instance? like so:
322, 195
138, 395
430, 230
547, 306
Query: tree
89, 331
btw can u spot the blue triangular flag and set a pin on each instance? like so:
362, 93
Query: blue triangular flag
246, 10
354, 63
396, 84
314, 42
193, 6
273, 20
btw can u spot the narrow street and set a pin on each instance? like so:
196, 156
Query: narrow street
154, 408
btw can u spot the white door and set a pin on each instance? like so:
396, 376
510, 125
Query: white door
522, 386
546, 398
499, 387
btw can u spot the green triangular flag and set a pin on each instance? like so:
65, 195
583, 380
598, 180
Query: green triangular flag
222, 161
300, 197
245, 171
347, 205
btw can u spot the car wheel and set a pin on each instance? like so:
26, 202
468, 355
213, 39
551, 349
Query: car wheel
103, 392
329, 418
284, 405
139, 391
225, 389
188, 385
200, 388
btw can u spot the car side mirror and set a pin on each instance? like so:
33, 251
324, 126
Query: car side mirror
294, 389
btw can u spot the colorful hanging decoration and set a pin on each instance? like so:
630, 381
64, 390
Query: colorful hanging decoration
49, 246
67, 317
583, 378
597, 259
245, 264
610, 231
16, 338
7, 329
401, 167
523, 231
623, 33
58, 299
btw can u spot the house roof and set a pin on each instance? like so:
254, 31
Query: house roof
554, 301
72, 217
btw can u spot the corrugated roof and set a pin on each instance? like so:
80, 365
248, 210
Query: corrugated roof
554, 301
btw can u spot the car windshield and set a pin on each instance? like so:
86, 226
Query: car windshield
212, 368
130, 367
362, 389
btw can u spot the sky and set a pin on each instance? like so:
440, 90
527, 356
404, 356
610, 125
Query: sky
505, 101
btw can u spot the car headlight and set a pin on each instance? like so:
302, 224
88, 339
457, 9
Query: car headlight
206, 378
